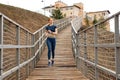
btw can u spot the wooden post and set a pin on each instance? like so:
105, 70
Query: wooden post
95, 52
18, 51
117, 49
1, 43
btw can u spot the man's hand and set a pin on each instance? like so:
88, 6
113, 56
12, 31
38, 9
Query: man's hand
49, 31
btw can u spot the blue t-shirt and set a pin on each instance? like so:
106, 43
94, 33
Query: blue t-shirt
52, 28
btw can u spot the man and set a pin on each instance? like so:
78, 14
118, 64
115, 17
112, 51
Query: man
51, 32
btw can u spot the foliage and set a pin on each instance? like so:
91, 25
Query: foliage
87, 21
95, 20
103, 25
57, 14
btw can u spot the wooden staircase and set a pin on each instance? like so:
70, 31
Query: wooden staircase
64, 67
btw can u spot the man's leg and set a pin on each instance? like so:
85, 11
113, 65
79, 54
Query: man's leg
53, 49
49, 50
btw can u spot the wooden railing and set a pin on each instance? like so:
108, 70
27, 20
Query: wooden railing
20, 49
96, 50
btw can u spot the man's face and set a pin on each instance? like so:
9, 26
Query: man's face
50, 21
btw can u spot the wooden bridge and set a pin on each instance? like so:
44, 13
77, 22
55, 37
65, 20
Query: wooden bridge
64, 68
90, 54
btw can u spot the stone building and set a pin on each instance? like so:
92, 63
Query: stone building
98, 15
68, 11
77, 9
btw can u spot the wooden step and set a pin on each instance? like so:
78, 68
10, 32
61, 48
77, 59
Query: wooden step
64, 67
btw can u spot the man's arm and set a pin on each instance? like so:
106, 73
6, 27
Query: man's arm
56, 32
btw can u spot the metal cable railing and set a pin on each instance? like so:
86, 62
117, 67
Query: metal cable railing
97, 51
20, 49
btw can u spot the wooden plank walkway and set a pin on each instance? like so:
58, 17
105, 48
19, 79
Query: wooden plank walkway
64, 67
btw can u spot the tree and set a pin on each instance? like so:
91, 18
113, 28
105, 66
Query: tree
87, 21
57, 14
95, 20
103, 25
